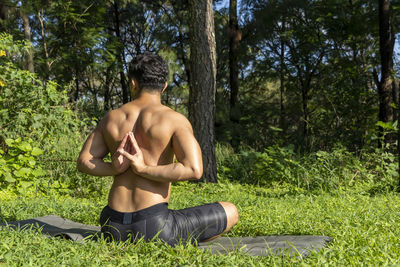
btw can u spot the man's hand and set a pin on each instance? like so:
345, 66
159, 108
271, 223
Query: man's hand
133, 154
118, 161
189, 165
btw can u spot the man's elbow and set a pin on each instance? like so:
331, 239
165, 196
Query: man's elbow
80, 165
197, 173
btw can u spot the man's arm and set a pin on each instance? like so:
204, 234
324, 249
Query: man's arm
91, 158
187, 152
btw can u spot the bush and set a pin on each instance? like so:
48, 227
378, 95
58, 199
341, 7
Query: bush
321, 170
18, 164
37, 113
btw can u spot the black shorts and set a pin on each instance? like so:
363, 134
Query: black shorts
191, 224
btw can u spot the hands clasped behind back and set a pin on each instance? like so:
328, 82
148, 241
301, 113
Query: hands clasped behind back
128, 154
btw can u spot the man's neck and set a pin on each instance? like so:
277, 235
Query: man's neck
149, 97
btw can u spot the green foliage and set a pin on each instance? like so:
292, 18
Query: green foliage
40, 113
317, 171
18, 165
29, 107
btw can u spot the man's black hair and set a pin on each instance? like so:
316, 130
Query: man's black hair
150, 70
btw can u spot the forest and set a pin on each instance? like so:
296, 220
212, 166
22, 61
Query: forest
295, 105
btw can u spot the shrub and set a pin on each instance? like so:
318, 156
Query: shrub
18, 164
321, 170
37, 113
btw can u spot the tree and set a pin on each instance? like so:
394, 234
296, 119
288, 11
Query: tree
27, 34
120, 52
235, 36
202, 82
386, 45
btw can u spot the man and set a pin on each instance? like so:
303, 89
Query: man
143, 136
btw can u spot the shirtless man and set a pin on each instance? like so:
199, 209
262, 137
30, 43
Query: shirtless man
143, 136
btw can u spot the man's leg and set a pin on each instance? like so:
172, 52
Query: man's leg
199, 223
232, 217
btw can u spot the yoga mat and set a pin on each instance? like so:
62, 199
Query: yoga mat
293, 245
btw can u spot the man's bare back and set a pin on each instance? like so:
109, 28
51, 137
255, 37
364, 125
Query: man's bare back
155, 128
143, 136
160, 133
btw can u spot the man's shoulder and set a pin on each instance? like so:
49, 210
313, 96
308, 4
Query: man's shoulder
111, 117
111, 122
173, 116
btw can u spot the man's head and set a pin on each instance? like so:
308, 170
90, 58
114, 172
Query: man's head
149, 72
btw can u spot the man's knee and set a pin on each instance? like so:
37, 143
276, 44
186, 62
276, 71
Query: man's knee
231, 211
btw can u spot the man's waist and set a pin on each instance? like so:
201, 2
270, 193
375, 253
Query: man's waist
130, 217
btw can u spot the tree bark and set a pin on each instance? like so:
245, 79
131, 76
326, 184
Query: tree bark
76, 93
203, 84
43, 35
282, 119
234, 39
396, 85
124, 87
27, 34
395, 95
306, 114
386, 44
4, 12
107, 95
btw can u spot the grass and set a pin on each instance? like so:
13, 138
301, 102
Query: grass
365, 228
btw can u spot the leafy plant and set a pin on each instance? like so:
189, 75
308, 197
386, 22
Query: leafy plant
18, 165
322, 170
31, 109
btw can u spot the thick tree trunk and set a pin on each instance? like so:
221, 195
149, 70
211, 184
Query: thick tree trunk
124, 87
203, 85
386, 44
27, 34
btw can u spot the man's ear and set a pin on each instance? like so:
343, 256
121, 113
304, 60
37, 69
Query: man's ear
134, 87
165, 87
133, 84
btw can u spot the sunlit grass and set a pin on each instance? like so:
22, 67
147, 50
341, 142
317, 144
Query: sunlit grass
364, 228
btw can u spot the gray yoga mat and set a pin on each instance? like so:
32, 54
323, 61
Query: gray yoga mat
298, 246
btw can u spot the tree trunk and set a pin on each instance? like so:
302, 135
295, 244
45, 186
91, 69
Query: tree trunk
4, 12
107, 97
282, 119
395, 95
120, 51
43, 35
27, 34
306, 116
234, 39
182, 56
386, 44
203, 84
396, 85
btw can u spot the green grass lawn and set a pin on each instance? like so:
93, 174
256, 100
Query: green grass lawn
365, 229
